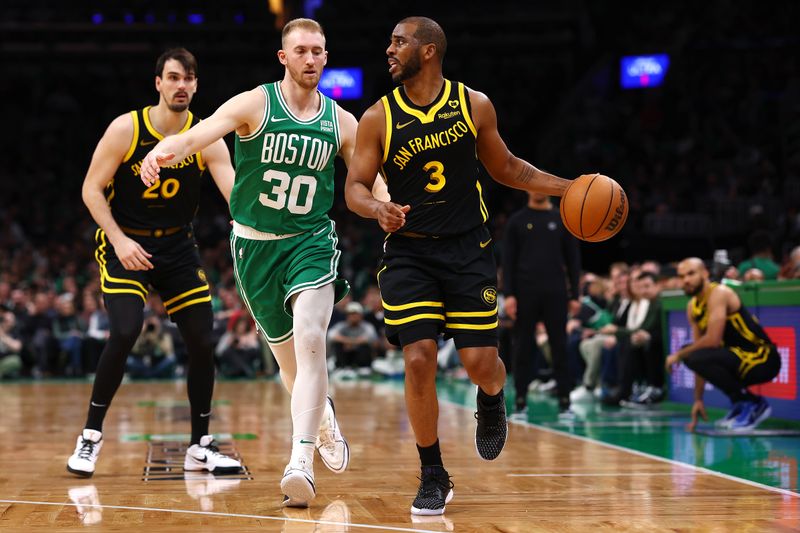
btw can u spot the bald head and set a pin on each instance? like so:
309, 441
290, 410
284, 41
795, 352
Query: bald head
693, 274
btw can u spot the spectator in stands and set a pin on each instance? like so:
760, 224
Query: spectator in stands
10, 346
640, 353
760, 245
37, 335
69, 332
239, 350
791, 267
352, 340
153, 354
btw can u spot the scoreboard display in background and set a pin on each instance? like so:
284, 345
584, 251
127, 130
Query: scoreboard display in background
638, 72
342, 83
781, 324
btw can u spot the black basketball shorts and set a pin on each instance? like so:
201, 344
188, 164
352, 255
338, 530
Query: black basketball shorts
440, 285
176, 276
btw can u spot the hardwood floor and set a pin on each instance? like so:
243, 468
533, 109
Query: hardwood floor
543, 481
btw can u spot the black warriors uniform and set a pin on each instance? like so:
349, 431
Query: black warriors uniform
438, 272
754, 354
159, 218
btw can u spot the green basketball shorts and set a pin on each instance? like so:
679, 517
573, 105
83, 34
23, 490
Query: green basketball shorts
270, 268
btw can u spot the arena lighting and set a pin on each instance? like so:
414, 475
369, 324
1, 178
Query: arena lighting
643, 71
342, 83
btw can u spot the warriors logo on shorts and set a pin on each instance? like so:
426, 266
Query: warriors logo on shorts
201, 275
489, 296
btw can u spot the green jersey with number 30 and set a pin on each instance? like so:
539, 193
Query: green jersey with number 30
284, 170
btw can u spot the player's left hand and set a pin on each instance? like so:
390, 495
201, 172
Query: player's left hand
391, 216
151, 165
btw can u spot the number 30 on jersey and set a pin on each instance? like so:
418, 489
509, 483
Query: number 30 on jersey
281, 183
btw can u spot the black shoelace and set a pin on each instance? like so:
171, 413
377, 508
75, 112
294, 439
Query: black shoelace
432, 481
491, 416
87, 447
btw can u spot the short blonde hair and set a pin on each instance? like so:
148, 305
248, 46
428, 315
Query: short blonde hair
300, 24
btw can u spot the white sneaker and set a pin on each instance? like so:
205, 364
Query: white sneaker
206, 456
331, 445
547, 386
534, 385
581, 394
298, 483
82, 460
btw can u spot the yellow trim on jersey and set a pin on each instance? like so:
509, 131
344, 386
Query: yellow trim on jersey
187, 304
378, 278
425, 118
154, 132
200, 163
185, 294
388, 116
135, 137
738, 323
484, 211
412, 318
465, 111
472, 326
411, 305
461, 314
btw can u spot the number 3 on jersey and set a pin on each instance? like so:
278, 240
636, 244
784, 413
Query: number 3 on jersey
437, 177
282, 182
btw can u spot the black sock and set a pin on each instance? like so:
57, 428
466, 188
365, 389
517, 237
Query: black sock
199, 425
489, 401
430, 455
97, 413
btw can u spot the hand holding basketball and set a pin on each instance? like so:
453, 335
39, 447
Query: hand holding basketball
594, 207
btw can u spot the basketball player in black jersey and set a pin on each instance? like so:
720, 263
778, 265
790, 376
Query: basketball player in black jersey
730, 350
438, 273
145, 239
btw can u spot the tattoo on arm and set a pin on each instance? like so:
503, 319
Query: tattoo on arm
526, 175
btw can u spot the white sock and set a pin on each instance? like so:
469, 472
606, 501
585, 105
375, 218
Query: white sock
312, 311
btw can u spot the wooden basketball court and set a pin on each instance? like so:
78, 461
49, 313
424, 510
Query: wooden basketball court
545, 480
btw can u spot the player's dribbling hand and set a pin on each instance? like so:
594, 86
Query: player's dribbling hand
132, 255
151, 165
391, 216
698, 409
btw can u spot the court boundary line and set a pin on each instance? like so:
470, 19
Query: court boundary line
674, 462
222, 515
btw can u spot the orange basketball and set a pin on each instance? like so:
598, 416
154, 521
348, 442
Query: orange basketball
594, 207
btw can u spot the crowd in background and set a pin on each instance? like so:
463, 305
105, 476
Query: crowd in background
710, 160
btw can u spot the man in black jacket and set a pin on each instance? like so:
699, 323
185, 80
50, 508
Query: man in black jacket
541, 267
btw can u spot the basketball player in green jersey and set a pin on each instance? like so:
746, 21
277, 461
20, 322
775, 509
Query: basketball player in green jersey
283, 242
146, 239
438, 273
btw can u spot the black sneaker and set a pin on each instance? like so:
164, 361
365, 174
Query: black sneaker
492, 429
435, 491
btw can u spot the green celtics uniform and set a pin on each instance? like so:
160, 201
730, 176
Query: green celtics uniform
283, 241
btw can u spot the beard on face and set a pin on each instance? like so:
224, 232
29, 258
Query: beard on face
693, 290
178, 108
408, 70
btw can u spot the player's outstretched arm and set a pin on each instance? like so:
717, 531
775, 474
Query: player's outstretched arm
242, 112
501, 164
362, 172
108, 155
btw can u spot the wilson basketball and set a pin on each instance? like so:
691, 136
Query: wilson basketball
594, 207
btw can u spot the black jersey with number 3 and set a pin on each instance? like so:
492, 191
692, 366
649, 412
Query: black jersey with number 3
172, 200
430, 162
